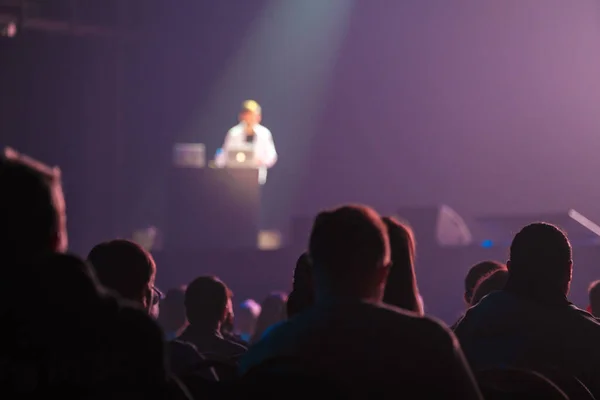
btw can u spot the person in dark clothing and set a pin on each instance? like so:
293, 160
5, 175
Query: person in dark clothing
129, 270
476, 272
530, 324
62, 333
207, 304
492, 282
349, 336
474, 276
82, 338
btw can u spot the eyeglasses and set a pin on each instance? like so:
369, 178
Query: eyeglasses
157, 295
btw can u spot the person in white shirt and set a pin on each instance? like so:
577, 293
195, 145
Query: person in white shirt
250, 133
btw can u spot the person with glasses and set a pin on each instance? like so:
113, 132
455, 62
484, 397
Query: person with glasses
127, 269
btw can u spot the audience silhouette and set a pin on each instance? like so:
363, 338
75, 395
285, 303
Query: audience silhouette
476, 272
130, 271
353, 324
530, 324
62, 332
489, 283
350, 254
207, 303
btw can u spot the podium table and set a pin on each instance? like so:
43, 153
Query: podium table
212, 208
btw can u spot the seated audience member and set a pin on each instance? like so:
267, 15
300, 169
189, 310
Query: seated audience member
349, 336
91, 346
530, 324
245, 320
207, 304
60, 329
401, 288
492, 282
129, 270
272, 311
302, 295
594, 296
476, 272
172, 313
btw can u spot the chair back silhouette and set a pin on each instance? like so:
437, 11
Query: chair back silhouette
225, 369
569, 384
512, 383
299, 376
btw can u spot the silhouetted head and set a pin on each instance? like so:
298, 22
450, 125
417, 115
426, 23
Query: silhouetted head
272, 311
401, 289
251, 113
494, 281
541, 259
594, 295
350, 253
476, 272
208, 302
32, 207
128, 269
303, 291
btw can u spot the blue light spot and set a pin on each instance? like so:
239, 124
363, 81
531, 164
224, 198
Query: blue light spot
487, 244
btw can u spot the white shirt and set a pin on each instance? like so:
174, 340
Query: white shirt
263, 146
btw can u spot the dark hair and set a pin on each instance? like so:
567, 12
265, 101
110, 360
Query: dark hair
30, 215
303, 292
594, 295
272, 311
206, 301
401, 289
125, 267
347, 245
476, 272
495, 280
541, 253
